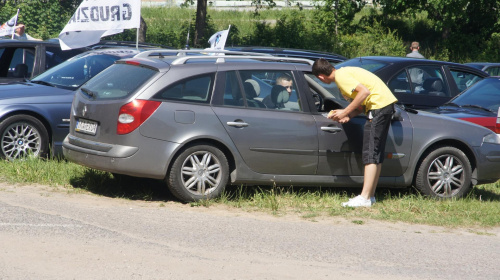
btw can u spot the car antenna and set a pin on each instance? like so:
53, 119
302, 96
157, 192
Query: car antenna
186, 47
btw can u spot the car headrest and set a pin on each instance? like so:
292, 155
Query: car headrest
254, 84
433, 84
279, 96
21, 71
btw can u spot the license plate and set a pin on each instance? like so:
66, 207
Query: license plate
86, 126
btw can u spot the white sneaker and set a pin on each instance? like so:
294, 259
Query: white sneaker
359, 201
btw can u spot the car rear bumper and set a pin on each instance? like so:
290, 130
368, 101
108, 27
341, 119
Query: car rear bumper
133, 161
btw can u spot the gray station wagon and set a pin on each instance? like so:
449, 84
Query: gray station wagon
202, 122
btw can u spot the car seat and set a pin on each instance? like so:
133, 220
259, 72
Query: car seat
433, 86
21, 71
279, 96
252, 90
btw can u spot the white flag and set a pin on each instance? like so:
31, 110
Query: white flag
96, 18
9, 27
218, 40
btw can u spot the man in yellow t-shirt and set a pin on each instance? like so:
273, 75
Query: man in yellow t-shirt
366, 92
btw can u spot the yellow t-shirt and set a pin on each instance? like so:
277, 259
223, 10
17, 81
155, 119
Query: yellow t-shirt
348, 78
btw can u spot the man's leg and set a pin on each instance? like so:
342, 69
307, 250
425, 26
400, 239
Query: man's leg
372, 173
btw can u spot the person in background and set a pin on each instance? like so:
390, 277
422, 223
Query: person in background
369, 94
21, 34
414, 47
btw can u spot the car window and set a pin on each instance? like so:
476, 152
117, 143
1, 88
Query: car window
493, 71
55, 56
464, 80
16, 62
193, 89
118, 81
266, 89
422, 80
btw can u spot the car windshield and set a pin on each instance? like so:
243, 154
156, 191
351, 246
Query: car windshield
72, 73
367, 64
77, 70
485, 93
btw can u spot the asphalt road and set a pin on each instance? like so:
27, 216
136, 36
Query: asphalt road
48, 234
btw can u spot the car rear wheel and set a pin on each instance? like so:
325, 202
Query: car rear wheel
199, 172
22, 136
444, 173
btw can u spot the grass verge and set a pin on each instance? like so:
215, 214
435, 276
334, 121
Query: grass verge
480, 208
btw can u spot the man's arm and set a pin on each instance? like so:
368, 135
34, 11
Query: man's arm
352, 109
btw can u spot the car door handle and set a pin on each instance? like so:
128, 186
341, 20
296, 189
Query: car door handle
237, 124
332, 129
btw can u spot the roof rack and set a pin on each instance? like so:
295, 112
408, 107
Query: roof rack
222, 56
159, 52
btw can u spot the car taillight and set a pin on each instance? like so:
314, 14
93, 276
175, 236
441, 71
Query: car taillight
133, 114
497, 126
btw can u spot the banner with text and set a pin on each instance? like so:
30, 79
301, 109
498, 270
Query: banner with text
96, 18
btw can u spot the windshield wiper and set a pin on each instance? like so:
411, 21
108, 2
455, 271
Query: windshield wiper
88, 92
43, 83
451, 104
477, 106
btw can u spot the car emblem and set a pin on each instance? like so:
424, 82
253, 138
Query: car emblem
84, 110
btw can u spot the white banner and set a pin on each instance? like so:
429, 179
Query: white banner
218, 40
96, 18
9, 27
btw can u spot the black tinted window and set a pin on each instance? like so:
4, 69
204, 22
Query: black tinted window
194, 89
117, 81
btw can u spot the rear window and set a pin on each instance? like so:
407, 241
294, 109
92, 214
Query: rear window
367, 64
118, 81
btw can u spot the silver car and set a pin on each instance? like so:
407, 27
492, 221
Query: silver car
202, 122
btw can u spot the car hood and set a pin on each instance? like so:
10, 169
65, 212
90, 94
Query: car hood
461, 112
27, 89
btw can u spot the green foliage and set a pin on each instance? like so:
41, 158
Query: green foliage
44, 19
374, 40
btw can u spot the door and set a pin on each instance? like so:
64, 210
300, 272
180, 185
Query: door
277, 139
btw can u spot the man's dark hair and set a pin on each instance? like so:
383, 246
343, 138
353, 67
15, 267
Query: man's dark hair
322, 66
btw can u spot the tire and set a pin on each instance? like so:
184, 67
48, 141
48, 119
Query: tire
22, 136
445, 172
199, 172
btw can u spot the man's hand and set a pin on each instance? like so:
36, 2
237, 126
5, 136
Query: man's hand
338, 116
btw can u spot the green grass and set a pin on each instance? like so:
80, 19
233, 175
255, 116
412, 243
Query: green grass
479, 209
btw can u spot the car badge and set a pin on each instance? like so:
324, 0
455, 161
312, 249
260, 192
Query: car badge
84, 110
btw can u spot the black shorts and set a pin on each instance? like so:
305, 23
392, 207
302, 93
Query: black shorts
375, 134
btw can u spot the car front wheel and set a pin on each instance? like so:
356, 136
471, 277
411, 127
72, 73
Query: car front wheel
199, 172
22, 136
444, 173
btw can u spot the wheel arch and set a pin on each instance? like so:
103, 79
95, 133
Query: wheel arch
200, 141
450, 143
36, 115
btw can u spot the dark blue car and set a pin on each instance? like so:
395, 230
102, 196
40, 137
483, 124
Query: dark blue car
34, 115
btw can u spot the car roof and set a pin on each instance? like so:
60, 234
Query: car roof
409, 60
165, 59
7, 42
